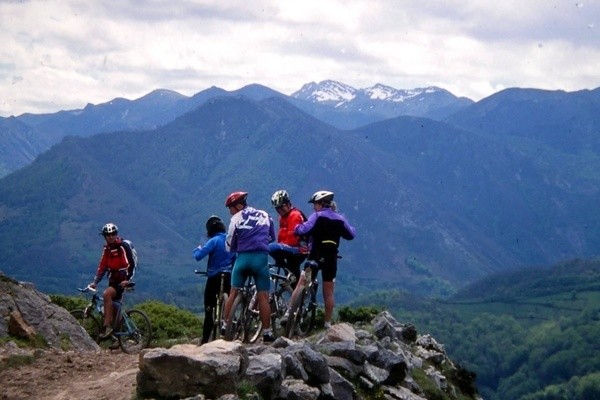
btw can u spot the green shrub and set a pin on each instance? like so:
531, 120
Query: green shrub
464, 380
357, 315
428, 386
170, 322
247, 391
69, 302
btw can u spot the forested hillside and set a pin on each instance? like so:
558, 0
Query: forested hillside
435, 206
529, 334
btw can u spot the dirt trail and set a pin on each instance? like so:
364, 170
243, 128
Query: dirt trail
58, 375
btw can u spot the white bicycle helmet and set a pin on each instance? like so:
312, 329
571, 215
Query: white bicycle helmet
322, 196
280, 198
109, 229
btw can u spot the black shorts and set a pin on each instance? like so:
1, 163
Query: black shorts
117, 286
328, 266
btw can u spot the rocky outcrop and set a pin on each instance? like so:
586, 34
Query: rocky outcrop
30, 315
346, 362
382, 360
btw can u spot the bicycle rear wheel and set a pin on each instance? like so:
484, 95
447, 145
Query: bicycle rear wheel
252, 322
279, 304
135, 332
235, 323
90, 323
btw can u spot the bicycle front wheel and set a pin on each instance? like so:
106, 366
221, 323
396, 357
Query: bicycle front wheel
306, 320
302, 315
135, 332
294, 315
90, 323
218, 316
279, 305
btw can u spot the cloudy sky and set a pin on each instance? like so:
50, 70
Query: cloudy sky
63, 54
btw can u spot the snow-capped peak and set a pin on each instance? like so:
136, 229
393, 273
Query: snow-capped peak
379, 92
326, 91
330, 91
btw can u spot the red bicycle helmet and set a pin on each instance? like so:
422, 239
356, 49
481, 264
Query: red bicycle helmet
236, 198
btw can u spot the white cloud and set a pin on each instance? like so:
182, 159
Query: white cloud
62, 54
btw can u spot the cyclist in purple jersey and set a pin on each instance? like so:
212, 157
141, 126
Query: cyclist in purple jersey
249, 234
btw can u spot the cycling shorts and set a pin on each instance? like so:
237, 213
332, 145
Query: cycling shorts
328, 266
255, 264
117, 286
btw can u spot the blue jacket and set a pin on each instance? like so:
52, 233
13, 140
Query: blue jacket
219, 259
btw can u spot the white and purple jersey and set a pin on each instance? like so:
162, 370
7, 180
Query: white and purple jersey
250, 230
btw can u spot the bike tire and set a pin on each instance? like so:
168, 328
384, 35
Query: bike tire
279, 304
90, 323
295, 312
252, 323
135, 332
218, 316
235, 322
302, 316
309, 312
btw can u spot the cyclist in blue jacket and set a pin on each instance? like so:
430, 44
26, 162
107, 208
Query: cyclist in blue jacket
219, 260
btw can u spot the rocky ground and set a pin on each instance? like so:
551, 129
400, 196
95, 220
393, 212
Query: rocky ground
57, 375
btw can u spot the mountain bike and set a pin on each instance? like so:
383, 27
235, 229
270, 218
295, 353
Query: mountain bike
302, 313
131, 328
279, 295
218, 310
244, 318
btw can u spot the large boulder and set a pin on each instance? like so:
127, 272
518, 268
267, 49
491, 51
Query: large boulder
31, 315
185, 370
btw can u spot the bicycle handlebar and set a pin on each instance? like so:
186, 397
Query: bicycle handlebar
279, 277
88, 288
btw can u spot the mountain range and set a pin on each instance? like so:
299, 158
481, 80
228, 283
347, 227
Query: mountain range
24, 137
506, 182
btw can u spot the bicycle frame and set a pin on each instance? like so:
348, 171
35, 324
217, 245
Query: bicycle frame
280, 294
217, 311
131, 327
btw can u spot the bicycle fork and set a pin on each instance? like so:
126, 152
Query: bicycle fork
313, 296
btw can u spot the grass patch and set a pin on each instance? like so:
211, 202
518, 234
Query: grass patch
247, 391
16, 361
